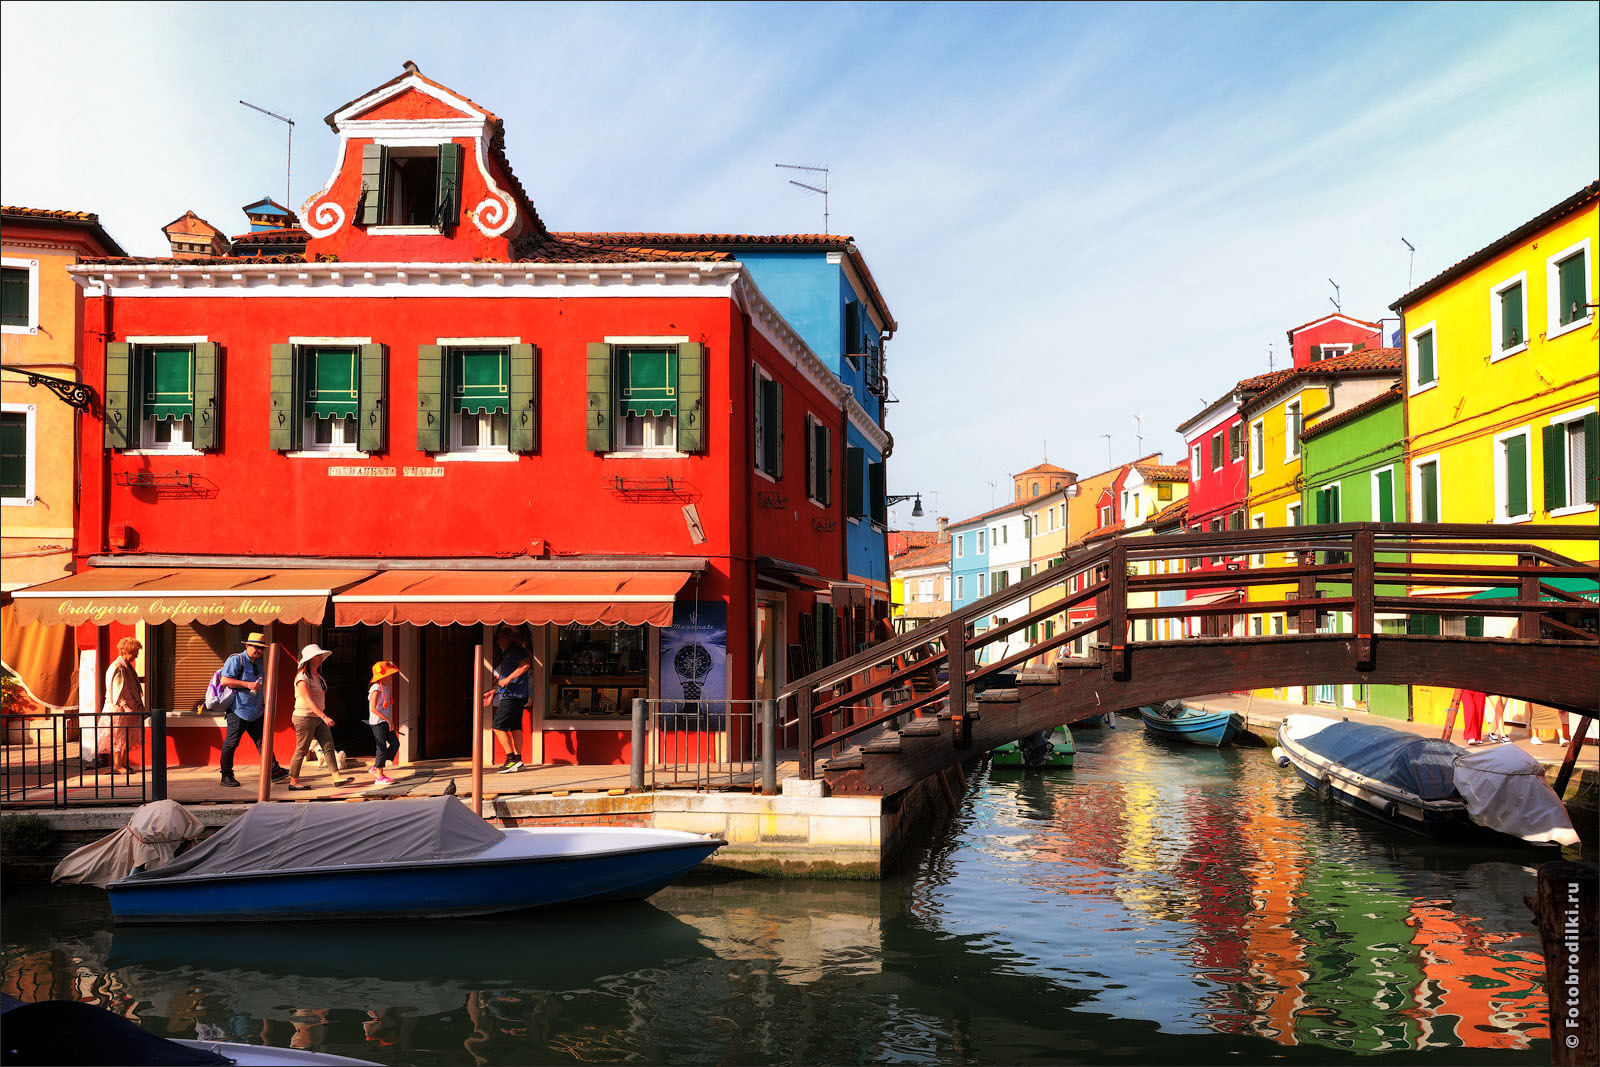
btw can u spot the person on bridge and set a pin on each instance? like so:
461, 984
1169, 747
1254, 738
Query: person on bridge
1470, 702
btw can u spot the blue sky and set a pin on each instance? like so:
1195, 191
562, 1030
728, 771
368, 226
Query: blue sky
1076, 212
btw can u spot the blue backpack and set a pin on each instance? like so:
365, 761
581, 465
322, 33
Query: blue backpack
218, 696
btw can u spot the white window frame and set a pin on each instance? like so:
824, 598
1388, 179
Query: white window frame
32, 267
1565, 419
1553, 290
30, 415
1412, 388
454, 450
961, 588
1219, 438
1258, 521
1291, 439
1194, 462
1258, 446
983, 584
1495, 317
960, 545
1372, 478
1526, 433
309, 448
1292, 514
1414, 504
983, 544
947, 589
1327, 353
816, 476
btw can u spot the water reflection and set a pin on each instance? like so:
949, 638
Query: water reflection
1152, 904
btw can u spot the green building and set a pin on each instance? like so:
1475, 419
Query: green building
1353, 470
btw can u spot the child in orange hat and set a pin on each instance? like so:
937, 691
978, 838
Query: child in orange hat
380, 715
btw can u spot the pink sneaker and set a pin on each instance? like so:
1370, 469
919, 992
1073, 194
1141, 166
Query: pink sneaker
383, 779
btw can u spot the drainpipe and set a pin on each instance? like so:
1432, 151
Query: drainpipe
745, 552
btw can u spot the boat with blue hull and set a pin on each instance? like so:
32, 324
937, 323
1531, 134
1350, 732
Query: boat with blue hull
1194, 726
428, 858
1054, 749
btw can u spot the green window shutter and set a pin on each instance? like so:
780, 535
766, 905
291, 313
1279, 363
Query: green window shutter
776, 431
332, 380
283, 430
691, 397
1334, 512
1319, 511
855, 483
1516, 475
1426, 625
1473, 625
1574, 293
1316, 353
877, 490
1027, 571
374, 169
480, 381
430, 398
167, 382
119, 395
597, 436
14, 455
1235, 441
448, 197
14, 296
207, 396
768, 460
1425, 371
1386, 496
1428, 476
1216, 450
372, 435
1512, 333
524, 436
1591, 453
1555, 467
824, 464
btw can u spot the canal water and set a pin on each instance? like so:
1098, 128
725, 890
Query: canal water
1156, 904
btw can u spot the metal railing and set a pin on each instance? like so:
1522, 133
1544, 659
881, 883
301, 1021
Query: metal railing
49, 761
704, 744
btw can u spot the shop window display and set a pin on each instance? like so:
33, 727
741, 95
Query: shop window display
598, 671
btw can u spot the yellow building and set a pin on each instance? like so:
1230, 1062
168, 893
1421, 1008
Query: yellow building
1273, 418
41, 329
1501, 356
1152, 502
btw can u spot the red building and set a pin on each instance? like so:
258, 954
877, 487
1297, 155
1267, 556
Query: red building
441, 417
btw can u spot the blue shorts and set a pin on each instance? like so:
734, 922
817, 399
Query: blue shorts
508, 713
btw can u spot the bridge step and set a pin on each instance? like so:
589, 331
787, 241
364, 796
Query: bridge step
850, 761
1038, 677
922, 728
999, 696
888, 743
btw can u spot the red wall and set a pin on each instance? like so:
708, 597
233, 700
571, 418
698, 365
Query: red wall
1214, 494
1332, 332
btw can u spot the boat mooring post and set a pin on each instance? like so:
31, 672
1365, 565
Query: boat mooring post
769, 747
269, 702
477, 729
1567, 913
636, 750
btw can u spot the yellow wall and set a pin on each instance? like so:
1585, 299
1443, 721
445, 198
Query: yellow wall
37, 539
1274, 491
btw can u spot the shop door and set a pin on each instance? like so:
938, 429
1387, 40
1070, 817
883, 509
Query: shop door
445, 717
349, 672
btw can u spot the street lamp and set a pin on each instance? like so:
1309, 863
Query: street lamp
916, 509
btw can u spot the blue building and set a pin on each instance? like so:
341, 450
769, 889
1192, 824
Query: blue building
969, 562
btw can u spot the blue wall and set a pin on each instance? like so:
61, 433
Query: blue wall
970, 564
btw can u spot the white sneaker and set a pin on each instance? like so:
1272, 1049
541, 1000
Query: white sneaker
1535, 741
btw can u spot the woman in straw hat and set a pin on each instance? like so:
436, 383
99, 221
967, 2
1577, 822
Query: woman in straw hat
380, 715
311, 719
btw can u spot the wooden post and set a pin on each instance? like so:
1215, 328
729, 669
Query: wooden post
269, 700
769, 747
955, 647
477, 729
1528, 627
808, 758
1570, 760
1565, 911
1362, 578
1306, 593
156, 756
1117, 611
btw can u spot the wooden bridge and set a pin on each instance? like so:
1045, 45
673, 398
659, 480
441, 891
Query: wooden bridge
888, 717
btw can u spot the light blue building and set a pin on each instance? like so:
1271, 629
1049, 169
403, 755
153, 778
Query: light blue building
969, 562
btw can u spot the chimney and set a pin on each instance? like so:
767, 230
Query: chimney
192, 237
944, 530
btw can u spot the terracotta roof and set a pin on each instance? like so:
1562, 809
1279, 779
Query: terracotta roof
1264, 381
187, 261
1043, 468
1362, 362
287, 235
1152, 472
545, 247
1014, 505
1572, 203
1171, 515
917, 538
189, 224
928, 556
80, 220
1100, 533
1396, 392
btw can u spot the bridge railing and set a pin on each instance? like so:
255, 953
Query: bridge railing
1335, 580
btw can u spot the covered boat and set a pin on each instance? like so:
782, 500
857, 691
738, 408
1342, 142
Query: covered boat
1048, 748
1424, 784
426, 858
1176, 721
157, 832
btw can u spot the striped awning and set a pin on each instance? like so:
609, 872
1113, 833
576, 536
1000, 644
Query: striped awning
184, 594
442, 598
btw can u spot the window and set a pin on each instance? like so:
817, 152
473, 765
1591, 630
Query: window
983, 584
982, 544
413, 187
961, 586
1258, 446
1291, 430
1105, 515
644, 395
1425, 490
1383, 509
1569, 462
161, 394
1322, 352
1035, 488
475, 397
947, 588
1216, 451
1000, 580
1258, 522
1236, 442
17, 452
330, 396
819, 461
1325, 504
1421, 372
1508, 317
1291, 515
925, 590
767, 410
19, 295
960, 545
1194, 461
1512, 473
1567, 281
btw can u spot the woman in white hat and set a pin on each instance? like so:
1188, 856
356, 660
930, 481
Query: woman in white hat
311, 719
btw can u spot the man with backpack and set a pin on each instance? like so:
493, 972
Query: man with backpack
242, 674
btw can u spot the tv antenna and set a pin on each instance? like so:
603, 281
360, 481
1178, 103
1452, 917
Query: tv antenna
1109, 464
1269, 357
288, 161
824, 190
1334, 299
1411, 268
1138, 434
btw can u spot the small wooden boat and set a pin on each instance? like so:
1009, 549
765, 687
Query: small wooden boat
1060, 753
427, 858
1427, 786
1196, 726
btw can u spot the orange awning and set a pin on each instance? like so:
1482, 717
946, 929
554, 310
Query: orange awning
440, 598
183, 594
1213, 596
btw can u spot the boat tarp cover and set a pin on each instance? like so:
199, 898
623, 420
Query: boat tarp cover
1505, 790
1422, 766
277, 837
151, 838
